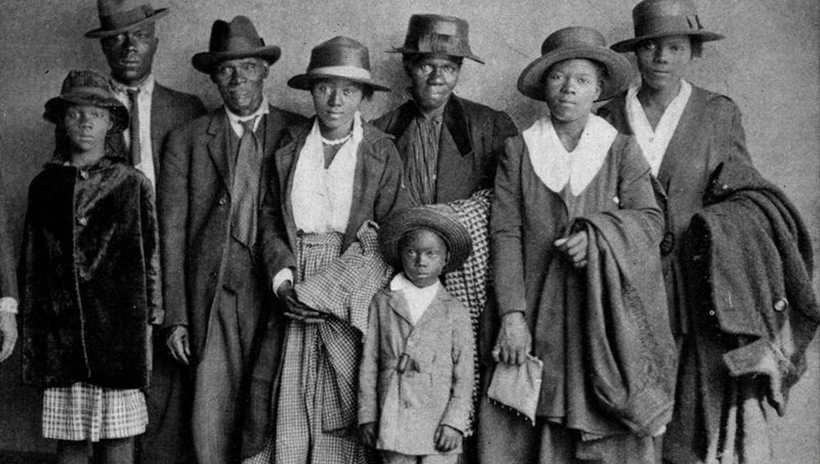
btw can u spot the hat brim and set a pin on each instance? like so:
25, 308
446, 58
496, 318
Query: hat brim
100, 32
629, 45
618, 68
456, 235
206, 61
305, 81
405, 51
55, 108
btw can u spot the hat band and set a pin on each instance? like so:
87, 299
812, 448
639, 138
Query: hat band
438, 43
349, 72
237, 44
122, 19
667, 24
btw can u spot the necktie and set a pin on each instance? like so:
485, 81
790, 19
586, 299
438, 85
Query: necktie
245, 191
134, 124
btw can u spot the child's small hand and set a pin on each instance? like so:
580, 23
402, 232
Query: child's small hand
447, 438
368, 433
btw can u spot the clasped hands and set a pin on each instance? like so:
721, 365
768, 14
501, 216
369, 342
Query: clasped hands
296, 310
446, 438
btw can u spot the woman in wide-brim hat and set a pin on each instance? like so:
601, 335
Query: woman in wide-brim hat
684, 131
334, 174
568, 169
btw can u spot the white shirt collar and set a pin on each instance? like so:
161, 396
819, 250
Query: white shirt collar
236, 120
555, 166
417, 299
654, 143
146, 88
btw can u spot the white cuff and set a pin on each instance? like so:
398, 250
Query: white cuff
285, 275
8, 305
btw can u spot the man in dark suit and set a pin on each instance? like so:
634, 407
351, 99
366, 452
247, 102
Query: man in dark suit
214, 285
128, 38
450, 145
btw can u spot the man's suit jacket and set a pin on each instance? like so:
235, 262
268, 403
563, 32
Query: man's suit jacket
471, 143
194, 204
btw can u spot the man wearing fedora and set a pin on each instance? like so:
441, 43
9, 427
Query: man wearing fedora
450, 145
129, 42
208, 192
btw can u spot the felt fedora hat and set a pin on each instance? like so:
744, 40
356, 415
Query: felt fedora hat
234, 40
86, 88
338, 57
661, 18
439, 218
576, 42
117, 16
431, 33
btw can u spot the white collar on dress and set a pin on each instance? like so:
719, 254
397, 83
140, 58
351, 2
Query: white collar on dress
555, 166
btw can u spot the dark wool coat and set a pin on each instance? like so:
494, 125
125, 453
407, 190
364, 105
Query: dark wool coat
472, 141
88, 274
378, 191
8, 276
749, 263
709, 133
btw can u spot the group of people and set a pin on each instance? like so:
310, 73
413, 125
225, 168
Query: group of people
250, 285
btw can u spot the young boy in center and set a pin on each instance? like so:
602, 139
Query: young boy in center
416, 375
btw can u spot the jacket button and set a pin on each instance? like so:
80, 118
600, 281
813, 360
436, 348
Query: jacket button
83, 221
711, 312
212, 275
223, 200
781, 304
84, 174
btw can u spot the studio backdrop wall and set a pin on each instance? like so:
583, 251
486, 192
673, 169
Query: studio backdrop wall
768, 65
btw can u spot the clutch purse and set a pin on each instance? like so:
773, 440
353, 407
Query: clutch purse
517, 386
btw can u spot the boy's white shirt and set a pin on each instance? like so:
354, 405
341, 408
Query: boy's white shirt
417, 299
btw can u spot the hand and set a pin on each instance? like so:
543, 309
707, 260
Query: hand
8, 334
575, 248
177, 342
296, 310
447, 438
514, 340
368, 433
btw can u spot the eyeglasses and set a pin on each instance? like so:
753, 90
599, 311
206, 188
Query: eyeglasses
227, 71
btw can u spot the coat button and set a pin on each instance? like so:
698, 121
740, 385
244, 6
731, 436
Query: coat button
781, 304
84, 174
222, 200
212, 275
83, 221
711, 312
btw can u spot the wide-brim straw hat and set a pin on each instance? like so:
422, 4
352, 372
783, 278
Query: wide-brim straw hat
232, 41
86, 88
439, 218
118, 16
662, 18
570, 43
338, 57
431, 33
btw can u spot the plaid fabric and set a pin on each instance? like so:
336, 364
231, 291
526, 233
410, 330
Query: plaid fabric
470, 282
87, 412
318, 364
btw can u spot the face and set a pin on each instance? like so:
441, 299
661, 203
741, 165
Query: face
240, 83
423, 256
433, 78
130, 54
662, 61
336, 102
571, 87
87, 126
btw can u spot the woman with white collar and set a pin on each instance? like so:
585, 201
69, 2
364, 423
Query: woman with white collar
331, 175
567, 171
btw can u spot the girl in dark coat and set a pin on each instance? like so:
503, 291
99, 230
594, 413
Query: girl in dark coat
88, 274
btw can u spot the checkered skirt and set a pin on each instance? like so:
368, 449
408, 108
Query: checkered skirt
88, 412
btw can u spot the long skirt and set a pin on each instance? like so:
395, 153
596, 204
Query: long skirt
88, 412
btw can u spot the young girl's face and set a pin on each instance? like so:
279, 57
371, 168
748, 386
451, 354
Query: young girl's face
87, 126
423, 256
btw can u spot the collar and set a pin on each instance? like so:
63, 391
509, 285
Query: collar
236, 121
401, 283
146, 87
454, 119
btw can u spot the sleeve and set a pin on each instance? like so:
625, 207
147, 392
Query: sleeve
503, 128
505, 231
392, 195
277, 253
457, 414
369, 368
172, 211
636, 192
150, 247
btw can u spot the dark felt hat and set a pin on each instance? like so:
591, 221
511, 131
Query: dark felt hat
87, 88
439, 218
431, 33
232, 41
570, 43
662, 18
338, 57
117, 16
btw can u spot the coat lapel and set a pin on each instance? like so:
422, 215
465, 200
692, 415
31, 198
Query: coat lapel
157, 123
680, 146
399, 306
217, 146
455, 121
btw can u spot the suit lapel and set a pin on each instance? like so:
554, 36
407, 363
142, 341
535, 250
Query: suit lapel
399, 306
157, 124
218, 146
455, 121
